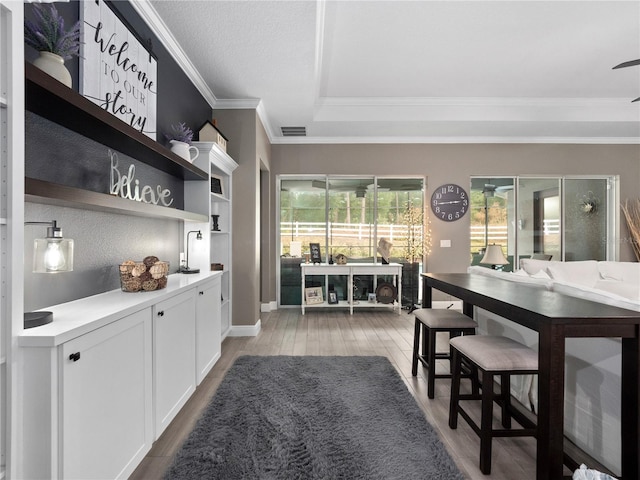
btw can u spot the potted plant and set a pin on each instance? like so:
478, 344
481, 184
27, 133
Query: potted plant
48, 35
180, 139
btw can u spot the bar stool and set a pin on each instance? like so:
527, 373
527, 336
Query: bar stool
432, 321
491, 355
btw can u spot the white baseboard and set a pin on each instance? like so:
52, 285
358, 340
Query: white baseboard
269, 307
225, 334
245, 330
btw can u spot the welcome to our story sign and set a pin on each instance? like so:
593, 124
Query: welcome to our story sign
116, 70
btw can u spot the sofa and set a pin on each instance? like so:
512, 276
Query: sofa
592, 381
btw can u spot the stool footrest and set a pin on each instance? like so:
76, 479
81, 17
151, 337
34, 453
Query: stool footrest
497, 432
442, 356
425, 363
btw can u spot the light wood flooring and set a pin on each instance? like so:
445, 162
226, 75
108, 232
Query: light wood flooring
334, 332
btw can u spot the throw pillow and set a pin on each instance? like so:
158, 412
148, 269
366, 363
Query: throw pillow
580, 273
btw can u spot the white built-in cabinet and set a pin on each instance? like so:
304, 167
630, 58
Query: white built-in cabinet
174, 361
213, 198
208, 328
105, 391
111, 372
186, 345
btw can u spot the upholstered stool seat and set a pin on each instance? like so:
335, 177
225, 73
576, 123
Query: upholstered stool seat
430, 322
492, 355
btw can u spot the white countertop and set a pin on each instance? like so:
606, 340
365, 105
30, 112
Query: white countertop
72, 319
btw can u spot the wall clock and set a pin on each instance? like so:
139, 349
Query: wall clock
449, 202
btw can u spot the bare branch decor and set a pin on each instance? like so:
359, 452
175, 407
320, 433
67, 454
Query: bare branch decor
631, 210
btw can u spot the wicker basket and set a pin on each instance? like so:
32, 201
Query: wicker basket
144, 276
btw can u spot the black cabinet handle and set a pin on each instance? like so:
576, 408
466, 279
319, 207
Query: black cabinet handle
161, 313
200, 293
74, 357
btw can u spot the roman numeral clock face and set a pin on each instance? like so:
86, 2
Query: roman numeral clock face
449, 202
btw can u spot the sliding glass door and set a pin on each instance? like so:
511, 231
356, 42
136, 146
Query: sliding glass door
492, 214
351, 224
351, 216
557, 218
539, 218
587, 219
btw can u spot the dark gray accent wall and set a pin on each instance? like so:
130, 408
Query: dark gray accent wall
55, 154
178, 99
102, 240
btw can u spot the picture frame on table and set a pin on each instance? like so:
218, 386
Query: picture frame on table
332, 297
217, 185
313, 295
314, 249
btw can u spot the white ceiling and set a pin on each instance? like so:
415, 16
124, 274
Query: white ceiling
419, 71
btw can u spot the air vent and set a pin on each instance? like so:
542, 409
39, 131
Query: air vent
294, 131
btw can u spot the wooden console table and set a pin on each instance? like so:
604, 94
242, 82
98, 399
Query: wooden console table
350, 270
556, 317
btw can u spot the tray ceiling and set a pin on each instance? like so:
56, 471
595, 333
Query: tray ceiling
419, 71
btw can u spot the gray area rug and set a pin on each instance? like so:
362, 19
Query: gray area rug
313, 418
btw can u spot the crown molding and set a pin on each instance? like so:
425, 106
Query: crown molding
453, 140
251, 104
160, 29
264, 118
238, 104
223, 160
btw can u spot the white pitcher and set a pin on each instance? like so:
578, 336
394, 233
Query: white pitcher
183, 150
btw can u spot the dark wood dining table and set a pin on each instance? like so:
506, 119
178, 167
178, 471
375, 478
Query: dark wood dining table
556, 317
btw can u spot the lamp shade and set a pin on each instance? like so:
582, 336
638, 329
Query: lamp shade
494, 256
52, 254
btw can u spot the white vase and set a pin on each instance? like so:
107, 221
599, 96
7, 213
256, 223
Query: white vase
183, 150
53, 65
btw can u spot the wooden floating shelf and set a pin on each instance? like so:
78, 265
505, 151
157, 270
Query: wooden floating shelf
39, 191
54, 101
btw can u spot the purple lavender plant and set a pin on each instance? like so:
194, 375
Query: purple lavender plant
48, 34
180, 132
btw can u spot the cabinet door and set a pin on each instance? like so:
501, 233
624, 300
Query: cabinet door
208, 328
174, 361
106, 424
